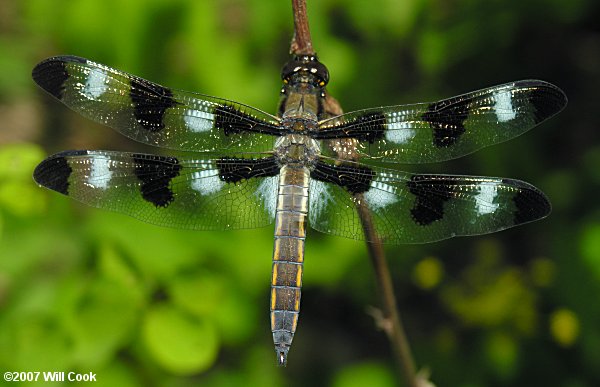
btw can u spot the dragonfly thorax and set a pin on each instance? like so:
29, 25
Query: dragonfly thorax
304, 81
297, 149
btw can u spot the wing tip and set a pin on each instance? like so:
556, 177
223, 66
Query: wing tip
51, 74
547, 98
531, 204
54, 171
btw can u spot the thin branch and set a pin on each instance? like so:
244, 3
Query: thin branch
301, 43
390, 320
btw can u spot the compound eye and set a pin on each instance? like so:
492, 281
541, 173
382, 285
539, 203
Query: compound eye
321, 73
307, 65
290, 69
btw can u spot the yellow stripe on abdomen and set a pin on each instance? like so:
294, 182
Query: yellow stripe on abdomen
288, 255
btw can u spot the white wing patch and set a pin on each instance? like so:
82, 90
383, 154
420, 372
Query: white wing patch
95, 84
207, 180
100, 173
267, 194
198, 121
319, 198
484, 200
504, 108
381, 194
398, 131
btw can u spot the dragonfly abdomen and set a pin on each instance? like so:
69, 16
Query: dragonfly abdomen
288, 256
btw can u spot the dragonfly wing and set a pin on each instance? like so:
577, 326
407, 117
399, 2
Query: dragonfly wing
450, 128
212, 194
416, 208
154, 114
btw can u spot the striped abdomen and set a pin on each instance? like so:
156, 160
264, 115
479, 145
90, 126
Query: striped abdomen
288, 256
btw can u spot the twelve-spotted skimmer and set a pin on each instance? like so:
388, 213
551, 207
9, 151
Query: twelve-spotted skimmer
297, 167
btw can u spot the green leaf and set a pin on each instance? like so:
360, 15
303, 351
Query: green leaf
18, 192
178, 342
502, 352
118, 373
35, 342
103, 321
365, 374
590, 247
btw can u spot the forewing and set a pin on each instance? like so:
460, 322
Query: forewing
154, 114
216, 194
454, 127
413, 208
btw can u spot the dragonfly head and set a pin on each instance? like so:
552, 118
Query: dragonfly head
305, 69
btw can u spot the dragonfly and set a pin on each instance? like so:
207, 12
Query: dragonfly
238, 167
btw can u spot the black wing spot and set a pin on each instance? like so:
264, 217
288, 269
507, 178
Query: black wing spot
531, 204
447, 125
155, 174
355, 179
547, 102
231, 120
234, 121
150, 103
55, 171
431, 193
233, 170
51, 76
368, 127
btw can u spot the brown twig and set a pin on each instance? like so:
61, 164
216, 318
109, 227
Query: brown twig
390, 320
301, 42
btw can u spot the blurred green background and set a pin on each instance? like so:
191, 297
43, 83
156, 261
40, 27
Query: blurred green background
86, 290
